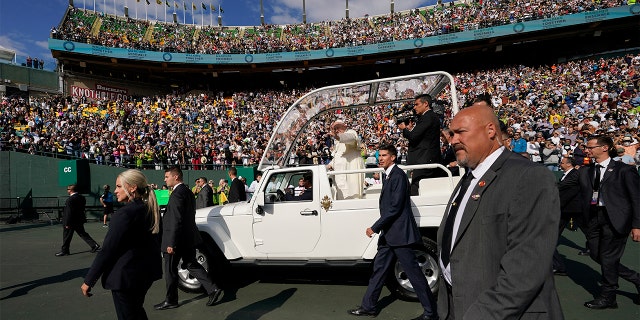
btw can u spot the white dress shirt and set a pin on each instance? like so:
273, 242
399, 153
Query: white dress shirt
478, 172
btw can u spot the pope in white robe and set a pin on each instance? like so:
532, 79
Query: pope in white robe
346, 156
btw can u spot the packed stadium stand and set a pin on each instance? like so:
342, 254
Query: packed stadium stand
573, 79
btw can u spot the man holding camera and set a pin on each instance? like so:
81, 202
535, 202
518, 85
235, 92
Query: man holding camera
424, 140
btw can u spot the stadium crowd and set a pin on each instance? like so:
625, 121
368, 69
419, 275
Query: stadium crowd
81, 26
556, 106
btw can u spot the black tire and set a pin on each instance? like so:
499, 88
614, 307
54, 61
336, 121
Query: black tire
187, 282
397, 281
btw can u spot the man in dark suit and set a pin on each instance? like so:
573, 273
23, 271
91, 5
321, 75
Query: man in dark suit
398, 234
424, 140
570, 208
610, 198
73, 220
205, 196
237, 191
448, 154
504, 212
180, 236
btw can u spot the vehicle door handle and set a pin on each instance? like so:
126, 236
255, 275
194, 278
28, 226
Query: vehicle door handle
309, 213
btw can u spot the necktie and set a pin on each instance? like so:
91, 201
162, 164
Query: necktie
596, 181
448, 226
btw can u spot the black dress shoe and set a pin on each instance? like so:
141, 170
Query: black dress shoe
426, 317
96, 248
583, 252
213, 297
62, 253
559, 272
165, 305
601, 303
362, 312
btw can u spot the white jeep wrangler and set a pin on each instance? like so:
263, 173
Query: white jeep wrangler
268, 230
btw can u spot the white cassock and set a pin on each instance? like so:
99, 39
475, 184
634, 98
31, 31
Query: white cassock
346, 156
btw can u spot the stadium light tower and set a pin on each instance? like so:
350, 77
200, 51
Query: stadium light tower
304, 12
346, 13
392, 6
261, 13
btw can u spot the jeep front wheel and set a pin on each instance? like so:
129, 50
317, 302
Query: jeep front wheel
398, 282
189, 283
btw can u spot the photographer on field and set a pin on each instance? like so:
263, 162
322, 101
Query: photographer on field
423, 135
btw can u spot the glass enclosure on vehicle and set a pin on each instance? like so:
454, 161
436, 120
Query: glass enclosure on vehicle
390, 93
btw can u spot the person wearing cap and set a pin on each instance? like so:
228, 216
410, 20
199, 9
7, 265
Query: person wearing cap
624, 158
346, 156
519, 144
629, 145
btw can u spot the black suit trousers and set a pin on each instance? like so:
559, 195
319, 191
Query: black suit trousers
558, 261
606, 247
188, 256
381, 265
129, 303
67, 235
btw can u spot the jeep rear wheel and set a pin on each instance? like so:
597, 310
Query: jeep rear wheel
398, 282
187, 282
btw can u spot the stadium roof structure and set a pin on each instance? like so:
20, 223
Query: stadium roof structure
385, 91
7, 55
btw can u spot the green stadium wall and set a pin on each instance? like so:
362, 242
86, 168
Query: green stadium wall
23, 175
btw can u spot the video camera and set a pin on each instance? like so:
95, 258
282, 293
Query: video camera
405, 114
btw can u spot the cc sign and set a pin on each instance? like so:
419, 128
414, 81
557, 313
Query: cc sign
66, 169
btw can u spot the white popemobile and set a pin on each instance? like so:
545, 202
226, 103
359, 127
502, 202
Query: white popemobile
267, 230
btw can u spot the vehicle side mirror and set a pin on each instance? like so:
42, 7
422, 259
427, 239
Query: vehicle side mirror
259, 199
259, 203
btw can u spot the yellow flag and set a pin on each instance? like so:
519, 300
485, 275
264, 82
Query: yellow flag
159, 1
193, 5
223, 198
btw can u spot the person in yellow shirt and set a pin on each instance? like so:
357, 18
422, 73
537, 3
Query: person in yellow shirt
554, 117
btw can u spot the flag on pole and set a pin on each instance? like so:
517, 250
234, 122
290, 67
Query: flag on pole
167, 3
159, 1
221, 10
203, 6
185, 5
148, 3
213, 9
176, 5
193, 5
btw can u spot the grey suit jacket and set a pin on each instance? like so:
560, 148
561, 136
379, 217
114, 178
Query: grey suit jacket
205, 197
501, 259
